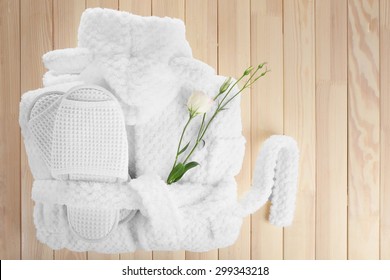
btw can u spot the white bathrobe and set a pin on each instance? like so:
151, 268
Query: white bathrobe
142, 72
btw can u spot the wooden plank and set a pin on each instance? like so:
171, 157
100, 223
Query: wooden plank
143, 8
234, 58
139, 7
363, 129
331, 127
170, 8
66, 19
100, 256
267, 110
299, 121
36, 39
201, 30
111, 4
10, 241
137, 255
319, 230
385, 127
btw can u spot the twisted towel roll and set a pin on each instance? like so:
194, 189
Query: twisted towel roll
275, 178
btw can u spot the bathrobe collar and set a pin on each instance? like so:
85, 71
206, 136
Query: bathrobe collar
136, 57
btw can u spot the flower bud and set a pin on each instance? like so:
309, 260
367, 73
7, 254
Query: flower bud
199, 103
261, 65
226, 84
248, 71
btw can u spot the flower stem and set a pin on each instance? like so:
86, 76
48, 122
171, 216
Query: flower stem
201, 126
226, 90
230, 89
246, 85
201, 134
220, 107
181, 139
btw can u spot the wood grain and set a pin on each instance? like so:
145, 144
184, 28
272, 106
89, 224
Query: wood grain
110, 4
142, 8
363, 129
138, 7
169, 8
176, 9
36, 39
233, 59
331, 129
201, 30
385, 128
66, 19
299, 121
267, 111
137, 255
329, 88
9, 130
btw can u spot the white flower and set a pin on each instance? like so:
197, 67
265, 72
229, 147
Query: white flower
199, 103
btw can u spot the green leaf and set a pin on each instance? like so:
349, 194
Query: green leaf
184, 149
179, 170
187, 167
190, 165
176, 173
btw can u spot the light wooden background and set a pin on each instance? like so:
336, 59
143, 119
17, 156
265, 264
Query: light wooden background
329, 88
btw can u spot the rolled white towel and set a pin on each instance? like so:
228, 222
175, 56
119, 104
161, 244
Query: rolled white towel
276, 179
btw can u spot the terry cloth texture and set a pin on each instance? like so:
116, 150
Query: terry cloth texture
115, 106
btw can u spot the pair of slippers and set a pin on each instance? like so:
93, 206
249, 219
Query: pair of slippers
81, 135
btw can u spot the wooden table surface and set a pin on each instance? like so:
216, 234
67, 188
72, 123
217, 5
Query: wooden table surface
329, 88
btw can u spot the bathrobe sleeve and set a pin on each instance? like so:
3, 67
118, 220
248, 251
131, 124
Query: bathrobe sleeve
65, 65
